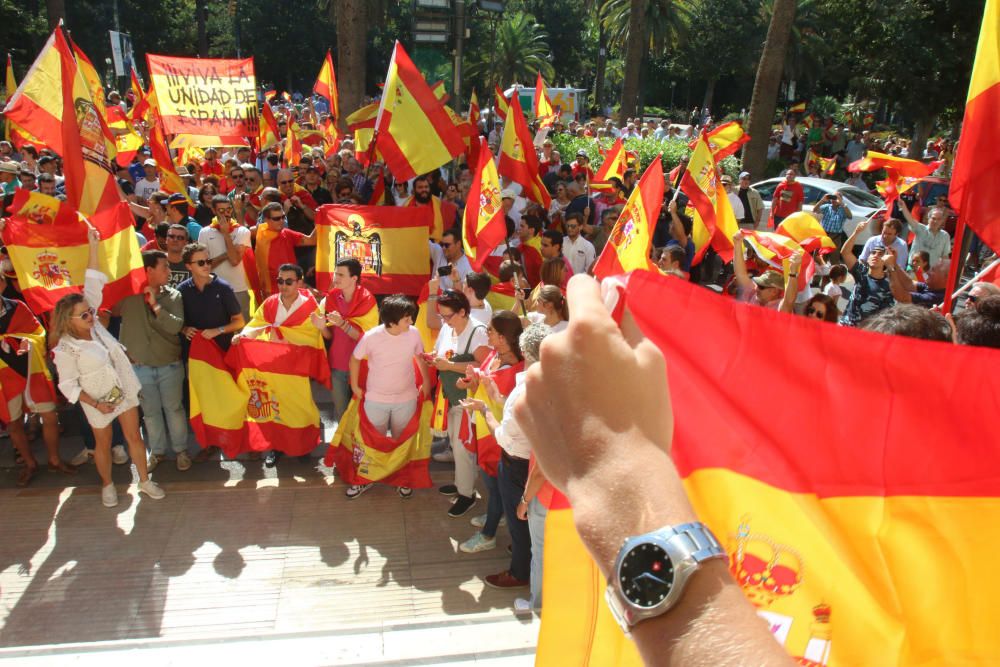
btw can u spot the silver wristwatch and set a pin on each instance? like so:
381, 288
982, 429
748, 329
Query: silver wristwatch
652, 570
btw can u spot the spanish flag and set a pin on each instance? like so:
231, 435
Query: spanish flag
331, 137
714, 222
629, 245
897, 169
9, 93
170, 180
799, 107
13, 132
776, 251
483, 225
326, 85
544, 113
518, 160
613, 166
805, 228
280, 412
268, 130
23, 374
873, 549
127, 140
269, 95
218, 403
724, 140
47, 244
484, 443
415, 134
361, 124
140, 103
297, 329
471, 143
292, 154
444, 215
502, 296
389, 241
500, 102
976, 175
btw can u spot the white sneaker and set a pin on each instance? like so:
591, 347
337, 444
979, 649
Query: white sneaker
183, 461
85, 456
480, 521
444, 456
151, 489
109, 496
118, 455
522, 606
153, 461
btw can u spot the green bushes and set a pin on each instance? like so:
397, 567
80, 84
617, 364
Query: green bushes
672, 151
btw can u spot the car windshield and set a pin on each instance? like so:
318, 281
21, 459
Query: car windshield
859, 197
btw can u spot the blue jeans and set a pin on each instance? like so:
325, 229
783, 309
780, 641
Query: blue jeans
536, 526
513, 475
162, 395
340, 387
494, 506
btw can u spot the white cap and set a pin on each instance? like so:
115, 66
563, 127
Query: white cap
508, 194
149, 163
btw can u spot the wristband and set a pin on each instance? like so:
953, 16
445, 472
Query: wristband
222, 330
432, 297
523, 500
793, 275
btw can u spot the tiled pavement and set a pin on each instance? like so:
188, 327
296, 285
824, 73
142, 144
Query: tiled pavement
242, 562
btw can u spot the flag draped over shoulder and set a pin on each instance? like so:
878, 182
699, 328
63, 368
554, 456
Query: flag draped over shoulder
975, 178
630, 241
518, 160
24, 372
483, 225
47, 243
389, 241
296, 329
714, 222
218, 403
326, 85
415, 133
280, 412
838, 544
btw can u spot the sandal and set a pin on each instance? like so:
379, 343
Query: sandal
26, 475
62, 467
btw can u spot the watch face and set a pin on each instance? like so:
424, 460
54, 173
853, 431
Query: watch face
646, 575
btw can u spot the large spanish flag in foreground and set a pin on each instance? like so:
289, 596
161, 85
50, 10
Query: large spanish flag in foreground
389, 241
975, 179
47, 243
415, 133
280, 412
868, 541
628, 246
218, 403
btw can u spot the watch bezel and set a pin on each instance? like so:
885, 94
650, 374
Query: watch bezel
683, 564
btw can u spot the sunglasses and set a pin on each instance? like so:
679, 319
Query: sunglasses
445, 245
224, 211
276, 219
446, 317
86, 315
176, 237
286, 281
818, 314
972, 298
200, 262
235, 176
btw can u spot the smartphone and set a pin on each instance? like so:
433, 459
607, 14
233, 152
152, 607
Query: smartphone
445, 270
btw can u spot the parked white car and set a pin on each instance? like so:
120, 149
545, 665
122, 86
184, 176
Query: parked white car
862, 204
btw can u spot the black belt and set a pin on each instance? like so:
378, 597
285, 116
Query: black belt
510, 458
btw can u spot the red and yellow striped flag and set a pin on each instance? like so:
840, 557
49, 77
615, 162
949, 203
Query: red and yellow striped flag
218, 403
500, 102
25, 375
127, 140
502, 296
976, 174
389, 241
854, 551
518, 160
47, 244
326, 86
415, 133
806, 230
267, 133
629, 245
362, 124
714, 222
613, 166
483, 225
280, 412
9, 93
725, 139
292, 154
544, 113
170, 180
140, 103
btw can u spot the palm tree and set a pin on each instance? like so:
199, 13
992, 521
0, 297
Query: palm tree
520, 51
765, 87
638, 28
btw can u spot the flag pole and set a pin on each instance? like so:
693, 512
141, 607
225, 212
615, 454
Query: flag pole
972, 281
956, 269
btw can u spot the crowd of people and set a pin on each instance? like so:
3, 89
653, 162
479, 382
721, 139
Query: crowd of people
471, 340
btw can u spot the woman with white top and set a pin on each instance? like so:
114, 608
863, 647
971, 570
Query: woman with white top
550, 308
94, 370
461, 341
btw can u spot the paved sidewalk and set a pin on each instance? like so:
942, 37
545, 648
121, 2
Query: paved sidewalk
246, 559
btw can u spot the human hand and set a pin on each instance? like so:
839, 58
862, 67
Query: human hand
318, 321
433, 286
522, 510
296, 201
104, 407
860, 227
672, 207
149, 295
236, 339
93, 236
24, 347
358, 392
211, 333
335, 319
889, 257
796, 260
473, 405
224, 224
189, 332
441, 364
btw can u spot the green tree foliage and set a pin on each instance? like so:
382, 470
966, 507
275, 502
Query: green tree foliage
722, 28
521, 49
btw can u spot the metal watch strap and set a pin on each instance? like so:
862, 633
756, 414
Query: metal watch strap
699, 541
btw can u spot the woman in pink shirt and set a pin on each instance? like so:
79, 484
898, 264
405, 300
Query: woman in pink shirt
390, 397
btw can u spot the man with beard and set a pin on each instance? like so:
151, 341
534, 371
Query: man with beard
445, 213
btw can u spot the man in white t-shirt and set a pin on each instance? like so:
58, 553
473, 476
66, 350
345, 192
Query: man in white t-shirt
227, 242
390, 397
149, 183
452, 253
734, 199
577, 250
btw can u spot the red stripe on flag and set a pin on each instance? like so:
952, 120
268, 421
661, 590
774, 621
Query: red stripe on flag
976, 175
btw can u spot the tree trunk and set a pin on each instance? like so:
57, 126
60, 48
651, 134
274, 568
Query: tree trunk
633, 59
56, 11
201, 17
352, 29
921, 133
709, 93
765, 87
602, 64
